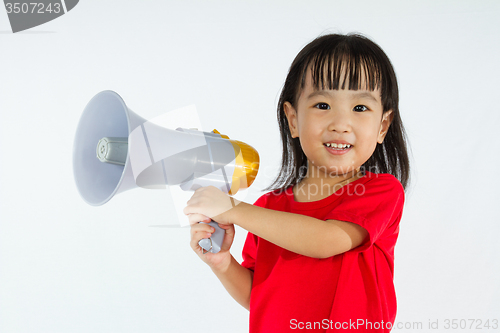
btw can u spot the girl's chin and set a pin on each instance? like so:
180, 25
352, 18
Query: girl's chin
332, 170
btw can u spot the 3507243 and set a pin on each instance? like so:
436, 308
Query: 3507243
477, 324
33, 7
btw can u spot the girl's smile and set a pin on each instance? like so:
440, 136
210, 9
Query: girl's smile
338, 148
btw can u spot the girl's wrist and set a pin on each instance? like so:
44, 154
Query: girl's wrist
223, 266
234, 213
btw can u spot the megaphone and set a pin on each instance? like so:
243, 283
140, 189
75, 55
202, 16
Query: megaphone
116, 150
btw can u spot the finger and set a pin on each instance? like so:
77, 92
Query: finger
195, 218
228, 238
201, 227
229, 228
197, 237
200, 189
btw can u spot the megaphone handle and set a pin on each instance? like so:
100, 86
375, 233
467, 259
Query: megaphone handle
214, 243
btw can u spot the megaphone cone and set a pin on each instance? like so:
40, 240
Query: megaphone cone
106, 115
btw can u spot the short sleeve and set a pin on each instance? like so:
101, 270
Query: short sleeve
249, 252
376, 205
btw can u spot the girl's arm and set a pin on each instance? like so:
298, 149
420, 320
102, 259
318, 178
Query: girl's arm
295, 232
298, 233
237, 280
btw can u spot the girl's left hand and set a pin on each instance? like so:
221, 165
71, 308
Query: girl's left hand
210, 202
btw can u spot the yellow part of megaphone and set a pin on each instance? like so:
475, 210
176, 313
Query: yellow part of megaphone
247, 166
247, 163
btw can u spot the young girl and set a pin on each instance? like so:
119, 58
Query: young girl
319, 254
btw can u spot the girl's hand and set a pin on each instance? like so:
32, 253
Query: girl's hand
217, 261
211, 202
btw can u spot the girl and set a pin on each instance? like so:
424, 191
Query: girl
320, 247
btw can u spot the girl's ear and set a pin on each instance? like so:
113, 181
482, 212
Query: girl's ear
384, 125
291, 116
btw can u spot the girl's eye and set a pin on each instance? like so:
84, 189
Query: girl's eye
360, 108
322, 106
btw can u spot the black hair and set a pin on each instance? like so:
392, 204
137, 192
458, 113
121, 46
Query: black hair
334, 60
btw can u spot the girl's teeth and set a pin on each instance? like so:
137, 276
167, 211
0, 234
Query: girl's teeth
338, 146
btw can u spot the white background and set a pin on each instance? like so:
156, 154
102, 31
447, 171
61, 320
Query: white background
69, 267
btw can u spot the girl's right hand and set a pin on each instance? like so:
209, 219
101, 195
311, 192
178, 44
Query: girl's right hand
218, 261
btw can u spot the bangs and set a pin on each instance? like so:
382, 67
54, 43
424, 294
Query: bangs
344, 67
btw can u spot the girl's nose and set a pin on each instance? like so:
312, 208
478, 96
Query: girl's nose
340, 121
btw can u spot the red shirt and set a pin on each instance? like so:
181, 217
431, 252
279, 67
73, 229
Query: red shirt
352, 291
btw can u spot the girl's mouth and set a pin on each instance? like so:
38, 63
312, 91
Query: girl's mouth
337, 149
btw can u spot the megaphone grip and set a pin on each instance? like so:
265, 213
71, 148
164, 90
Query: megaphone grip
214, 243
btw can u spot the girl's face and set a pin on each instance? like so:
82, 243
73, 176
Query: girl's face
325, 121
